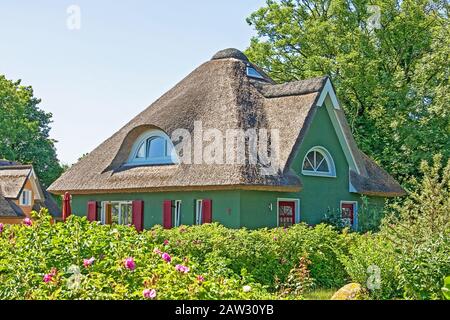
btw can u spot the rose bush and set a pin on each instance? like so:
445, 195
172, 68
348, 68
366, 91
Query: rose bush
82, 260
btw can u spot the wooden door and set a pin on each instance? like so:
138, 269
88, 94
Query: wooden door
347, 212
286, 213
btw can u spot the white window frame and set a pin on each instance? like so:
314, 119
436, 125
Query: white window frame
255, 73
198, 211
327, 157
355, 211
177, 220
120, 203
297, 208
170, 158
25, 198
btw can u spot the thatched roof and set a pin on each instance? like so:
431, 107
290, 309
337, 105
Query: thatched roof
221, 95
13, 178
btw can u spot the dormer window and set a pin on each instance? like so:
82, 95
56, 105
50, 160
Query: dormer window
152, 147
251, 72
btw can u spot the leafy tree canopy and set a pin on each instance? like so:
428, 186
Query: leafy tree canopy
389, 62
24, 131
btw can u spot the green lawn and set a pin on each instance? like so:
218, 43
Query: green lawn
320, 294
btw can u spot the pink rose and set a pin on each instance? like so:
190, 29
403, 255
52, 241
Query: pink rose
47, 278
129, 263
166, 257
1, 227
181, 268
27, 222
166, 242
149, 293
200, 278
88, 262
157, 251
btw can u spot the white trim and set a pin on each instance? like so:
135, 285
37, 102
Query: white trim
347, 144
25, 198
170, 159
297, 209
198, 211
327, 156
328, 90
355, 211
120, 203
177, 218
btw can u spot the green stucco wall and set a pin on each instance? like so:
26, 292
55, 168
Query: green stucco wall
257, 209
225, 205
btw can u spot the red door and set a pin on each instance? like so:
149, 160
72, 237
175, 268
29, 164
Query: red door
286, 213
347, 212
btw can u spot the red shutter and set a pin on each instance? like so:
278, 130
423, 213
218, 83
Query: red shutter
92, 211
167, 214
138, 214
207, 211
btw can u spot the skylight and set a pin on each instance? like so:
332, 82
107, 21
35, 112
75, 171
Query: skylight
251, 72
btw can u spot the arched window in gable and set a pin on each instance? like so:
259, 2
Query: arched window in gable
318, 162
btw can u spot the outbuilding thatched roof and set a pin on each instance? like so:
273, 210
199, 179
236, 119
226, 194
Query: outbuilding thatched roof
220, 95
12, 179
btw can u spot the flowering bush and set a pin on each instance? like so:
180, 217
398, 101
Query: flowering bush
82, 260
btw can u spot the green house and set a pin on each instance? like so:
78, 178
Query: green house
229, 145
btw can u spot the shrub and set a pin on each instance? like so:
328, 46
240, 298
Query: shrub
371, 262
53, 261
419, 229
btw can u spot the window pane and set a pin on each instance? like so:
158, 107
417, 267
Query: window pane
115, 213
141, 152
319, 158
323, 167
309, 161
126, 214
156, 147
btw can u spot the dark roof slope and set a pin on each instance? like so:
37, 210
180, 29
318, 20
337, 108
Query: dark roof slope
8, 208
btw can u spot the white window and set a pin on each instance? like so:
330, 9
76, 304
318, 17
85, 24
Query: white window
251, 72
25, 198
198, 211
152, 147
177, 213
117, 212
318, 162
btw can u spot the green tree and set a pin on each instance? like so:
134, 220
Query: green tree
419, 229
391, 76
24, 130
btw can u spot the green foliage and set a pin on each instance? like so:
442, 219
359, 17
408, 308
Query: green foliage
372, 263
27, 254
227, 259
419, 228
412, 250
446, 288
24, 131
392, 81
298, 280
267, 255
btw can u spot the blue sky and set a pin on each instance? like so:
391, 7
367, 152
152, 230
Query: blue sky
125, 55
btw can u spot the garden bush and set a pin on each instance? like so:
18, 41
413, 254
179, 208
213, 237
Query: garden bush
47, 260
82, 260
371, 262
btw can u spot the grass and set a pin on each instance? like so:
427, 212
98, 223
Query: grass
319, 294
